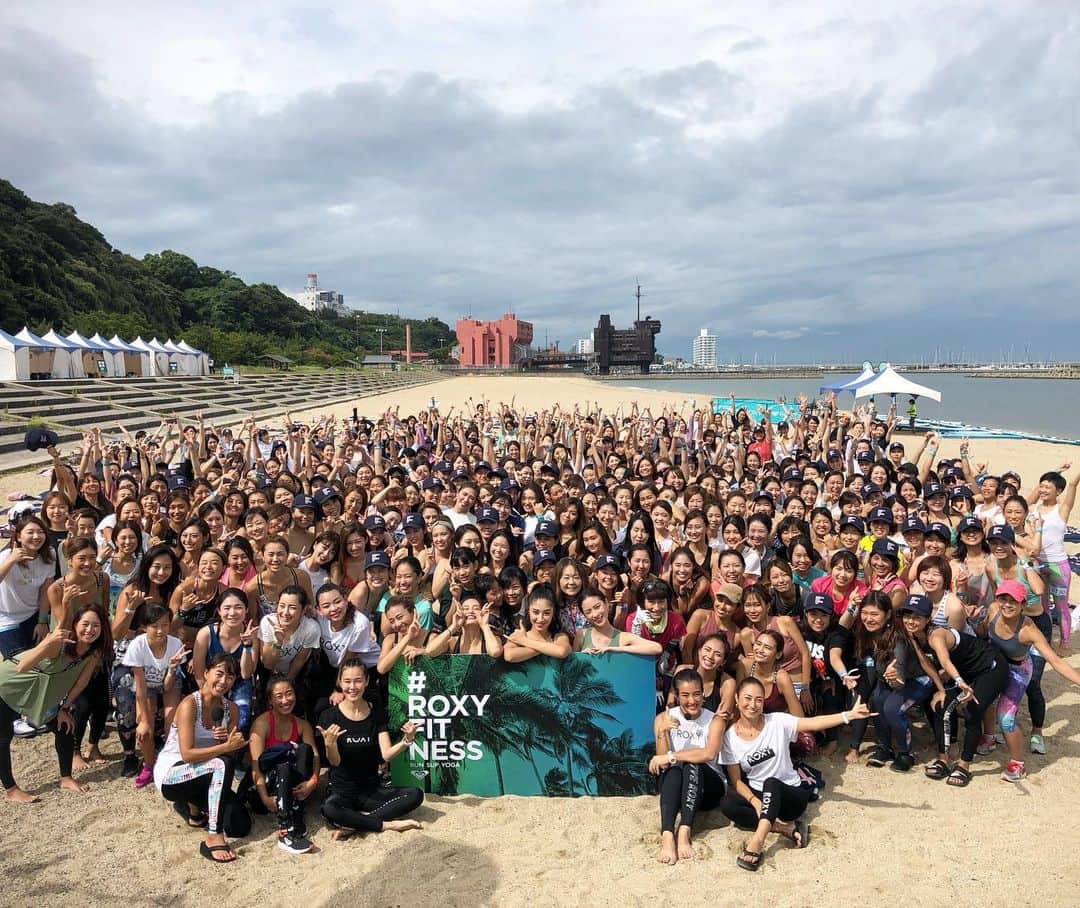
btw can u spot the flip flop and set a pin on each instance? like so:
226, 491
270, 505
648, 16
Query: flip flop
802, 830
208, 852
749, 865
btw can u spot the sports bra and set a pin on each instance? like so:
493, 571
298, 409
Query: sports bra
272, 738
586, 639
266, 607
1015, 651
774, 702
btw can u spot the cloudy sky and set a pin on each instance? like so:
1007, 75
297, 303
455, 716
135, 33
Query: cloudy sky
810, 180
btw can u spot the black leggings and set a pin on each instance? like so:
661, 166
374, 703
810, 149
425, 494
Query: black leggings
987, 687
282, 776
687, 788
92, 707
779, 801
1035, 697
62, 740
366, 812
864, 689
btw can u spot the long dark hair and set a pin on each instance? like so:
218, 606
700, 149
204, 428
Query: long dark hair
879, 645
141, 581
104, 643
542, 591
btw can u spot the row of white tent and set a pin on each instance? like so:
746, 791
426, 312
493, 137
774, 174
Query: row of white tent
25, 355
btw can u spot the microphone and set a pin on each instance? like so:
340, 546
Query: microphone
219, 716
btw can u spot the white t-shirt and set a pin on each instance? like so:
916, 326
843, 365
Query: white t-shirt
457, 519
353, 639
991, 512
306, 636
768, 755
691, 733
21, 588
139, 655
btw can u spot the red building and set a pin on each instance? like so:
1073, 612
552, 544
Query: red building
500, 343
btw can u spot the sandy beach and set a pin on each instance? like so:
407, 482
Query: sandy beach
879, 837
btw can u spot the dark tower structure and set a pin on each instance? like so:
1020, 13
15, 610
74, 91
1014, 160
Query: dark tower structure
633, 347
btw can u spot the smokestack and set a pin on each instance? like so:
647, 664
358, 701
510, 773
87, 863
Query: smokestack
312, 281
408, 343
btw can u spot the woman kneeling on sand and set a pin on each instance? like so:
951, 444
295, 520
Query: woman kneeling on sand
688, 739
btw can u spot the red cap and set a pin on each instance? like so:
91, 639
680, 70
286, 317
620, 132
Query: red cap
1014, 589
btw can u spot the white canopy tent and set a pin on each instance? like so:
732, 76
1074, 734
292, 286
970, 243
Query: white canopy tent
187, 364
14, 358
137, 362
161, 356
888, 381
201, 358
852, 381
94, 355
150, 357
113, 355
47, 357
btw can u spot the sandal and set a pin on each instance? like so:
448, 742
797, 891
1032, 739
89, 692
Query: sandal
959, 778
801, 829
939, 769
195, 822
208, 852
752, 865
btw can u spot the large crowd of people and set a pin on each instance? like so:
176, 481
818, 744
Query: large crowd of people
231, 602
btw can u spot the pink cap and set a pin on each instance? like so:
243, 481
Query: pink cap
1014, 589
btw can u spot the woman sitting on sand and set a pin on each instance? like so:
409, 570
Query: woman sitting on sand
765, 793
688, 741
357, 742
194, 770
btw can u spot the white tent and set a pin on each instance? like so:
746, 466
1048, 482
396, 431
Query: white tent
187, 363
73, 354
96, 355
137, 362
161, 356
202, 358
852, 381
46, 358
149, 355
112, 354
14, 358
888, 381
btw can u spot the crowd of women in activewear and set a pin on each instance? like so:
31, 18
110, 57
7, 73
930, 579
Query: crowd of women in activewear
234, 601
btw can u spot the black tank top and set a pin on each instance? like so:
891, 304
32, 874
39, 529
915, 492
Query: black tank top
972, 656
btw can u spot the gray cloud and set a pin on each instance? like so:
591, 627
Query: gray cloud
855, 223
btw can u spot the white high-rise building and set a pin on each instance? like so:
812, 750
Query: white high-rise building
704, 353
584, 347
316, 299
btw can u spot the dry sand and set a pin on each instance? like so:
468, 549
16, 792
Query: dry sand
878, 837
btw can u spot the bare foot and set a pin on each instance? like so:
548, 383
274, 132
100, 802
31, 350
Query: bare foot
79, 765
69, 784
668, 853
340, 835
95, 757
852, 756
17, 796
400, 825
685, 849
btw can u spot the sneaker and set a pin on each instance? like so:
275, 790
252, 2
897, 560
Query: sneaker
902, 763
1014, 771
130, 769
999, 738
879, 756
1038, 745
986, 745
24, 729
145, 776
294, 844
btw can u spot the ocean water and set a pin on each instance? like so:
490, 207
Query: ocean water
1043, 406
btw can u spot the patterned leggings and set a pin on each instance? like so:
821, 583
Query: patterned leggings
1009, 701
1058, 578
194, 782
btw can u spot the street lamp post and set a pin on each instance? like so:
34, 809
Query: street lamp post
380, 332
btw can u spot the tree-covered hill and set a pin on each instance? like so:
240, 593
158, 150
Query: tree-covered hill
57, 271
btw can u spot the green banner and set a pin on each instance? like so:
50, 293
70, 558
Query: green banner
555, 727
